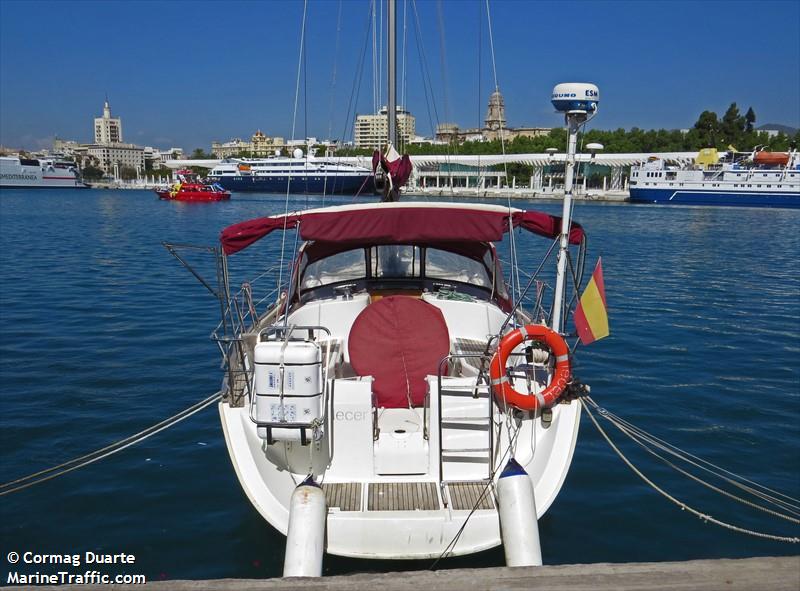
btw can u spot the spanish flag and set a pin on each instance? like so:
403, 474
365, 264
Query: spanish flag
591, 315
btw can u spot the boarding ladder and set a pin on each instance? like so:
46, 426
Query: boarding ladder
465, 426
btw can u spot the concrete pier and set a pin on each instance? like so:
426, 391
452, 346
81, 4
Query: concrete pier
744, 574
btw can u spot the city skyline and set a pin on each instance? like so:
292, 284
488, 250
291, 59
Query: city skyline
185, 75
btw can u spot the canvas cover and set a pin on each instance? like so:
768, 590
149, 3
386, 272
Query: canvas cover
397, 225
398, 340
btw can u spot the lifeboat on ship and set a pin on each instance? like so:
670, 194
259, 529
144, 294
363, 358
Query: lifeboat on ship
189, 187
771, 158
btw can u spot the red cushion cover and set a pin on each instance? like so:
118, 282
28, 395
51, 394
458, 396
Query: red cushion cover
399, 340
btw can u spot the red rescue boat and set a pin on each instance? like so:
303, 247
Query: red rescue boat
190, 188
771, 158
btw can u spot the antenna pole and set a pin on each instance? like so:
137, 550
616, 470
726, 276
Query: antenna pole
574, 121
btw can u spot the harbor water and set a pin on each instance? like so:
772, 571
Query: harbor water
104, 333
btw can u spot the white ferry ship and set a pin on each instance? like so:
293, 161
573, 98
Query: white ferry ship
758, 179
301, 174
39, 173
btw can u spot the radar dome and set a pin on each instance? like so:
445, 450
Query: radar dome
575, 96
298, 153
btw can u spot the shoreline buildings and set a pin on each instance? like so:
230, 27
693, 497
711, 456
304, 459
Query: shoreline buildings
494, 126
111, 154
260, 145
372, 131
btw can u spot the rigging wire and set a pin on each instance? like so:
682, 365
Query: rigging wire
427, 84
294, 121
355, 89
445, 85
333, 93
90, 458
478, 96
304, 53
515, 281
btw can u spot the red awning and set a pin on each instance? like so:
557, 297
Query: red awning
397, 223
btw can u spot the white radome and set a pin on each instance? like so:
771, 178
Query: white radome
575, 96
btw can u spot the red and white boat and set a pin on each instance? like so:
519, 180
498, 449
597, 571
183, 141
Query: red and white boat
189, 187
359, 406
389, 392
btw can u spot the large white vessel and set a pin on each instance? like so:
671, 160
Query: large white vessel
39, 173
299, 174
758, 179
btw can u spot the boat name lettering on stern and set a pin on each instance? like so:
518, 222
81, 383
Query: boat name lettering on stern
352, 415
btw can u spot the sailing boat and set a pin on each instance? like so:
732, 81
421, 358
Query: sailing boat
396, 400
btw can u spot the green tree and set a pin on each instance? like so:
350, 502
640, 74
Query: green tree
199, 154
160, 172
708, 129
127, 173
733, 125
92, 173
750, 119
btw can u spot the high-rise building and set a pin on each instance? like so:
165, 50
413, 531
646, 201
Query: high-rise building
371, 131
107, 129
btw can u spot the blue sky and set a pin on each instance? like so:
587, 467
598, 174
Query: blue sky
186, 73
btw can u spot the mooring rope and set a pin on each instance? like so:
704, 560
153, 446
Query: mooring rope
668, 496
786, 502
90, 458
645, 440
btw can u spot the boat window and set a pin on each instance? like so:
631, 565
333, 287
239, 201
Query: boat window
396, 261
343, 266
440, 264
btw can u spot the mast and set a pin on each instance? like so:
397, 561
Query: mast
578, 102
390, 192
391, 71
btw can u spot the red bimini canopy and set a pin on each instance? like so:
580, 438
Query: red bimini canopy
399, 223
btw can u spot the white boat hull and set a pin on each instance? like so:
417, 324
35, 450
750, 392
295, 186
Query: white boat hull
546, 456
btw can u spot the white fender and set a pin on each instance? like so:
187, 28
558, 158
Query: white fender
519, 528
305, 540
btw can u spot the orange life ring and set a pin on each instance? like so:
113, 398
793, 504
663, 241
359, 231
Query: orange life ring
501, 383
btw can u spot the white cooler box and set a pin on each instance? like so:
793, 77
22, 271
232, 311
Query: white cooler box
288, 385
